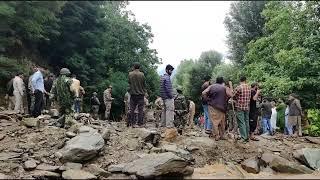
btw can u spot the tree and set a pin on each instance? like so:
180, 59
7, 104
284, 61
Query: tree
244, 23
212, 58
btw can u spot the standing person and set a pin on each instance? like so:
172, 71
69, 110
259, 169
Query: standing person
253, 113
208, 123
82, 93
137, 92
107, 99
9, 95
192, 111
181, 110
266, 112
37, 84
30, 95
286, 115
95, 103
273, 119
18, 92
127, 106
75, 88
295, 113
47, 86
158, 110
166, 92
216, 95
242, 97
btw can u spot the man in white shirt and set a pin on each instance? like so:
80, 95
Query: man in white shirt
37, 84
18, 92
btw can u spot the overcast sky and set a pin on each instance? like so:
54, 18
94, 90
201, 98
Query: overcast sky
183, 29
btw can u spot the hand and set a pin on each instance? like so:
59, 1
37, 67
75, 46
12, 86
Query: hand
230, 83
258, 91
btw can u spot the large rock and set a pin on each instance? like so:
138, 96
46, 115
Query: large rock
47, 167
39, 174
170, 134
97, 171
77, 174
309, 157
148, 135
178, 151
30, 164
251, 165
54, 113
83, 147
116, 168
153, 165
70, 165
31, 122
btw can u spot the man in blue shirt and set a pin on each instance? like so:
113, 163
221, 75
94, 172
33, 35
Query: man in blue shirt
37, 84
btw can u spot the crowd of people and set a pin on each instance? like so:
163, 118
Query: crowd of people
241, 111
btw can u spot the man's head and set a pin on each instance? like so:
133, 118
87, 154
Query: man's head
243, 79
51, 76
179, 89
219, 80
136, 65
293, 96
254, 85
20, 74
35, 68
95, 93
110, 87
73, 76
169, 69
65, 71
207, 78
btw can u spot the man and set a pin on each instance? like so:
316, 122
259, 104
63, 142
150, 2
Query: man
107, 99
216, 96
253, 113
30, 95
75, 88
266, 113
18, 92
137, 92
295, 114
61, 91
126, 101
37, 84
158, 109
181, 110
47, 86
242, 98
192, 111
95, 103
9, 95
166, 92
208, 123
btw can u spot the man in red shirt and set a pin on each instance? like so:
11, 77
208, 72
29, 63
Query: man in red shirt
242, 97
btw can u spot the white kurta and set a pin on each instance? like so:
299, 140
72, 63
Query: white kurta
273, 119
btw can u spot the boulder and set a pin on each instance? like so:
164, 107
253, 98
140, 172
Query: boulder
54, 113
70, 165
30, 164
83, 147
170, 134
77, 174
309, 157
178, 151
47, 167
282, 165
106, 133
39, 174
153, 165
85, 129
116, 168
31, 122
147, 135
97, 171
70, 134
251, 165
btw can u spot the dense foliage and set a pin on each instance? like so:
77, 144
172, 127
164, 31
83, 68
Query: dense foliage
97, 40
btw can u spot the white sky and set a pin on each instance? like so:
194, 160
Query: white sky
183, 29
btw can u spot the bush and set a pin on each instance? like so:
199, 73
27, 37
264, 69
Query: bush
314, 118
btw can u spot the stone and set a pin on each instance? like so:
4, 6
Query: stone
119, 176
153, 165
54, 113
84, 129
44, 117
2, 136
106, 133
77, 174
147, 135
83, 147
267, 158
315, 140
192, 148
30, 164
178, 151
155, 150
170, 134
282, 165
97, 171
31, 122
70, 165
309, 157
3, 176
116, 168
188, 171
251, 165
70, 134
47, 167
39, 174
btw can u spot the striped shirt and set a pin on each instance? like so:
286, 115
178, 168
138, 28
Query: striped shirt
242, 97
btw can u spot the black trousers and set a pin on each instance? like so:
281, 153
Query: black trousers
38, 103
136, 100
253, 118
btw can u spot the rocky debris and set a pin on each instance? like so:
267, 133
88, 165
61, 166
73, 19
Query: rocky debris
309, 157
116, 168
44, 117
192, 148
178, 151
47, 167
54, 113
97, 171
70, 165
2, 136
9, 155
170, 134
3, 176
70, 134
30, 164
251, 165
84, 118
147, 135
153, 165
106, 133
83, 147
31, 122
39, 174
282, 165
77, 174
315, 140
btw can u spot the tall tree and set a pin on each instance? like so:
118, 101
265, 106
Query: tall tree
211, 58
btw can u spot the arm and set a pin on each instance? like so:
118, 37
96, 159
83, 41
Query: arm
205, 92
21, 87
166, 86
105, 98
229, 92
255, 97
97, 99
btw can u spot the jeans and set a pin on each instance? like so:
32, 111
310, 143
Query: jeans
208, 122
266, 125
243, 124
77, 105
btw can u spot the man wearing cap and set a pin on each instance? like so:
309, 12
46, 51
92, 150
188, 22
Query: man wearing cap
181, 110
137, 90
107, 99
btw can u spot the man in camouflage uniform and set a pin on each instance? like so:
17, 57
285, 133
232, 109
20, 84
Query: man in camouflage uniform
60, 91
95, 103
158, 109
181, 110
107, 99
